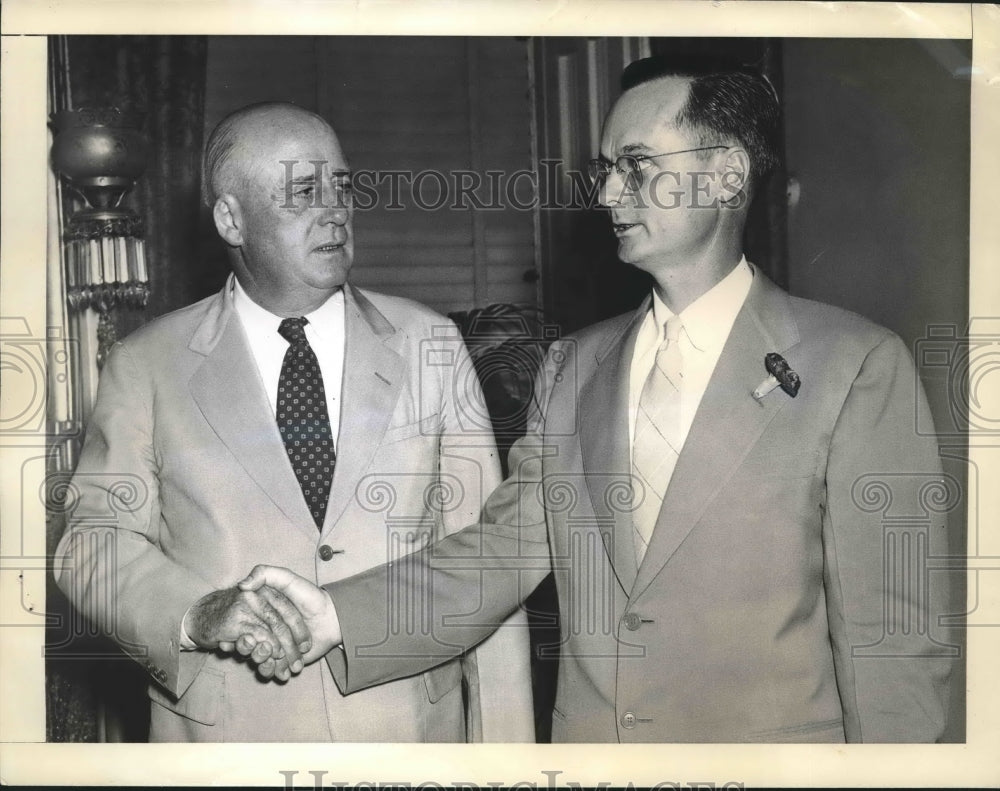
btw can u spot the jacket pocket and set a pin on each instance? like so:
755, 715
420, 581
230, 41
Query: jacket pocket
200, 702
825, 731
442, 680
780, 463
426, 426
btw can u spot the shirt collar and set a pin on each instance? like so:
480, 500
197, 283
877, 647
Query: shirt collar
323, 321
708, 319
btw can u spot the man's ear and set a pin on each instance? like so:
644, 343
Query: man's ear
228, 216
735, 177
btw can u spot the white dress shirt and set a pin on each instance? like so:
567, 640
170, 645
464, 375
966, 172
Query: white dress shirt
707, 323
325, 333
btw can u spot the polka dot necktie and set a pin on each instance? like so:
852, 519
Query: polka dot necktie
303, 419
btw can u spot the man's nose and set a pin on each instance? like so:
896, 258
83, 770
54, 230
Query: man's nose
336, 209
613, 191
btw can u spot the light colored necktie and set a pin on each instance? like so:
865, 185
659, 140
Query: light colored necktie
658, 438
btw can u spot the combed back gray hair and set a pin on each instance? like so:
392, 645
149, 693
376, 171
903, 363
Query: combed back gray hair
221, 174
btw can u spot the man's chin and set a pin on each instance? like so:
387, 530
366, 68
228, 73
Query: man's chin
334, 275
629, 254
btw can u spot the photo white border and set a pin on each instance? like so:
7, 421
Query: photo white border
22, 293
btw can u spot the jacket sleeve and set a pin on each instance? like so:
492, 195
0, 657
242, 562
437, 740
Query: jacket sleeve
498, 670
883, 520
476, 577
108, 562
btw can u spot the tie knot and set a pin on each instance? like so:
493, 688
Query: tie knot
293, 330
673, 327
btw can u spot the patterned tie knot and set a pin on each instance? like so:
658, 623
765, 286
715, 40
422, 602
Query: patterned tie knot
293, 330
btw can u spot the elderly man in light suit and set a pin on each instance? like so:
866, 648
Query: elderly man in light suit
294, 420
695, 476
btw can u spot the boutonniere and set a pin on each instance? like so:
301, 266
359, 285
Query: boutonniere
779, 374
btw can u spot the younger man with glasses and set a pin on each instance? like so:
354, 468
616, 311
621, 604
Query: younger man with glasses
696, 477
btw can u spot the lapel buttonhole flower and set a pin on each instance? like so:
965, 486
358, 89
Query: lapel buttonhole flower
779, 374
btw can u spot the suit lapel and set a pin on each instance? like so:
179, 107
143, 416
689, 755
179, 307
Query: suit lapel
728, 421
373, 375
604, 442
230, 394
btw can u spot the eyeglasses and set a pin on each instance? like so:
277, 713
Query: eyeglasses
629, 166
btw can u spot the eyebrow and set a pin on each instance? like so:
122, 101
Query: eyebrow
310, 178
333, 174
632, 148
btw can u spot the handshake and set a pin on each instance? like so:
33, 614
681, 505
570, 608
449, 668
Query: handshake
279, 621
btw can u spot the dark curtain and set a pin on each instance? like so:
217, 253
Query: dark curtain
163, 77
93, 692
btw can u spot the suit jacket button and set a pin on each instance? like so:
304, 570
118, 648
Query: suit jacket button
326, 552
628, 719
632, 621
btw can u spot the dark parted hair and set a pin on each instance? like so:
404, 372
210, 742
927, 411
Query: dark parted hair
726, 101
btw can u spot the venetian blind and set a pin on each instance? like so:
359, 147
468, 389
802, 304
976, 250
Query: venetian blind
413, 115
